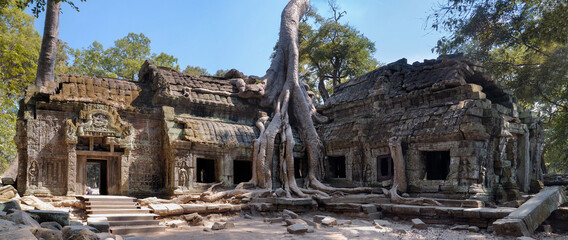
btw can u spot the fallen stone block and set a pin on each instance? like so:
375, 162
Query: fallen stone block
84, 234
329, 221
344, 222
193, 219
290, 213
297, 229
294, 221
318, 218
9, 206
275, 220
473, 228
173, 209
23, 218
17, 234
194, 208
218, 226
47, 234
418, 224
524, 220
8, 181
460, 228
102, 226
51, 225
61, 217
69, 231
159, 209
37, 203
227, 225
8, 192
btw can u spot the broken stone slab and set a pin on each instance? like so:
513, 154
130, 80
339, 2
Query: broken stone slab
47, 234
290, 213
173, 209
37, 203
311, 223
524, 220
294, 221
344, 222
102, 226
418, 224
61, 217
329, 221
8, 192
275, 220
159, 209
297, 229
194, 208
460, 228
218, 226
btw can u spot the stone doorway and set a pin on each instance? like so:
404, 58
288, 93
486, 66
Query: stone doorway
97, 176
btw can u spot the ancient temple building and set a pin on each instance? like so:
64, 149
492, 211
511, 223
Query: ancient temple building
461, 133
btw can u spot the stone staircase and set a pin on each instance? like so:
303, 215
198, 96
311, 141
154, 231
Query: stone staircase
120, 214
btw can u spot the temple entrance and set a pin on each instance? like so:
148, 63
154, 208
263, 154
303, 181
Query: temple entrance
97, 177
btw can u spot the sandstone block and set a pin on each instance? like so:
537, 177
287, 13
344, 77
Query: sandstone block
290, 213
329, 221
297, 229
418, 224
84, 234
318, 218
17, 234
194, 208
47, 234
23, 218
61, 217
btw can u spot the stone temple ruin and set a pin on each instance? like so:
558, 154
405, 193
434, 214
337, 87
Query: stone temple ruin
462, 137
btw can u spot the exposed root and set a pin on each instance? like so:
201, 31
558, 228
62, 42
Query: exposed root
395, 198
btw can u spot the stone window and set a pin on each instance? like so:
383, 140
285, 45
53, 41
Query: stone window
300, 167
336, 167
206, 170
437, 164
385, 168
242, 171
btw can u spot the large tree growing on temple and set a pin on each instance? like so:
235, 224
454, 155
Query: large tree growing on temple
524, 44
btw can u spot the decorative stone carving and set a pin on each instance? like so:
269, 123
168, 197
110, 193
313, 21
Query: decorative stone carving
100, 120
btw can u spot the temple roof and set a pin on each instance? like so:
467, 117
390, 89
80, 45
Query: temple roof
211, 131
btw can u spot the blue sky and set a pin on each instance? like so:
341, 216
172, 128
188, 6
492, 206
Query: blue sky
224, 34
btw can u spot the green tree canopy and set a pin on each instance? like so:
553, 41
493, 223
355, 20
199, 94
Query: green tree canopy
333, 52
197, 71
523, 43
123, 60
19, 51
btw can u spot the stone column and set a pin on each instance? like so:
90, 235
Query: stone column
124, 174
71, 170
523, 172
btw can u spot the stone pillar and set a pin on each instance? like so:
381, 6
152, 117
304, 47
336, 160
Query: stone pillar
124, 174
71, 170
524, 168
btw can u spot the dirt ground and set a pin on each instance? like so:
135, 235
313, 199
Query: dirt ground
257, 229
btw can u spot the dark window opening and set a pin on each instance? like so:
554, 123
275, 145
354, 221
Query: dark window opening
437, 164
336, 167
206, 170
97, 177
385, 168
242, 171
300, 167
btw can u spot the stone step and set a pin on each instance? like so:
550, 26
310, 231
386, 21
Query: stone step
108, 198
137, 229
134, 223
116, 211
125, 216
96, 206
106, 203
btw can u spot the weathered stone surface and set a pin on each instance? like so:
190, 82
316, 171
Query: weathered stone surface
318, 218
17, 234
159, 209
194, 208
8, 192
344, 222
6, 225
69, 231
102, 226
51, 225
218, 226
381, 223
47, 234
297, 229
8, 181
460, 227
37, 203
173, 209
9, 206
193, 219
23, 218
524, 220
61, 217
294, 221
290, 213
369, 208
329, 221
418, 224
84, 234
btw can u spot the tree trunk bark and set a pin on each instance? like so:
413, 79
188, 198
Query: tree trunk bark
323, 91
46, 61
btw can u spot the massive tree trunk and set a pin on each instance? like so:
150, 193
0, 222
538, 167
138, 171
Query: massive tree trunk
292, 106
46, 62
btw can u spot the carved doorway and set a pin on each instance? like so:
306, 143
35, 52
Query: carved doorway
97, 176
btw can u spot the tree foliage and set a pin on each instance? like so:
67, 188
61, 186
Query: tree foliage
524, 43
197, 71
123, 60
332, 52
19, 48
